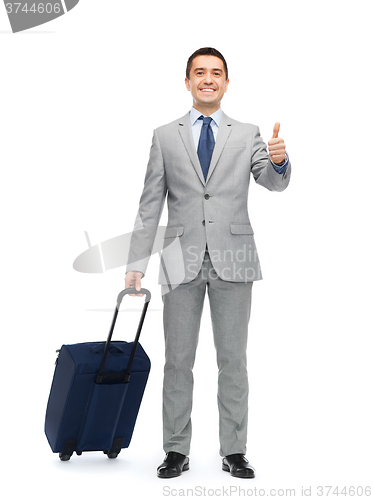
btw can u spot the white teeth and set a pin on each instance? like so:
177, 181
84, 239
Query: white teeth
207, 90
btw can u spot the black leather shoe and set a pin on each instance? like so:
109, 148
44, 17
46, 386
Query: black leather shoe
174, 464
238, 466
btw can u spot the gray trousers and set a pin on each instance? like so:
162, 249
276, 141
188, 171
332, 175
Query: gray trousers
230, 305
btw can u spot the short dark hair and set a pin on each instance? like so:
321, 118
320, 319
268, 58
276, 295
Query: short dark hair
206, 51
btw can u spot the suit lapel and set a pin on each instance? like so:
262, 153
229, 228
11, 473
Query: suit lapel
185, 131
225, 129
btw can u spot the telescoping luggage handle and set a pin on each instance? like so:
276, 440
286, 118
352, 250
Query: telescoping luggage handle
126, 375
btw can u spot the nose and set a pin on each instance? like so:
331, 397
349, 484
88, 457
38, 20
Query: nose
208, 78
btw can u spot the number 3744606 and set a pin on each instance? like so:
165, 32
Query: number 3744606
344, 491
36, 8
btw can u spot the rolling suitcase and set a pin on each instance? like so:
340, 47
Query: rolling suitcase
96, 393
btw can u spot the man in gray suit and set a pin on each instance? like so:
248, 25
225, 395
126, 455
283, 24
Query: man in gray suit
203, 162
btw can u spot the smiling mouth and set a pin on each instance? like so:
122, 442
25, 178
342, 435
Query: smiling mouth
207, 90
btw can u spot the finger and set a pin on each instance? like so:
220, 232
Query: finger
277, 153
278, 158
280, 151
276, 147
138, 284
276, 130
135, 284
138, 287
277, 140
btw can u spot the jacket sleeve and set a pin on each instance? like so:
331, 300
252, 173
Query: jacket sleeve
149, 212
262, 168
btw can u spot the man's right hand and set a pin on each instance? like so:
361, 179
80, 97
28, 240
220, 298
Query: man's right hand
133, 280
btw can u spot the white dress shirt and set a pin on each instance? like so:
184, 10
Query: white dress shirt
197, 124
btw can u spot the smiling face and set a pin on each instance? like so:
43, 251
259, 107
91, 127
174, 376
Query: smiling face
207, 82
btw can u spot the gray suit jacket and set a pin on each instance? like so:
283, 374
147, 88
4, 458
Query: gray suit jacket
212, 212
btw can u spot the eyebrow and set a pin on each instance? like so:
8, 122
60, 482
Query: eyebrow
213, 69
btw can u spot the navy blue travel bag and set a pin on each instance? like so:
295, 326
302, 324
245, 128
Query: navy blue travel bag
96, 392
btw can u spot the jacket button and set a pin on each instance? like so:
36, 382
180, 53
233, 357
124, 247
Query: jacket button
203, 222
207, 196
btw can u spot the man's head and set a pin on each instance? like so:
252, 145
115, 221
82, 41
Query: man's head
206, 51
207, 79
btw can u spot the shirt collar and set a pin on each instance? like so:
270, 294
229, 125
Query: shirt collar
195, 114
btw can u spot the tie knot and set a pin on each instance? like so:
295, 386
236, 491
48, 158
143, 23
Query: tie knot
206, 119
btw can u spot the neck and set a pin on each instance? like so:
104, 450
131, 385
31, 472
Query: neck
206, 110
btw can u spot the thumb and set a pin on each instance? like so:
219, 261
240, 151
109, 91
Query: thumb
138, 283
276, 130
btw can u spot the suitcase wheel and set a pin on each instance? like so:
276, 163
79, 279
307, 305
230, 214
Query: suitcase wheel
115, 448
67, 450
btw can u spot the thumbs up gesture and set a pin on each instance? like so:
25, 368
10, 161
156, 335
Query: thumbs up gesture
276, 146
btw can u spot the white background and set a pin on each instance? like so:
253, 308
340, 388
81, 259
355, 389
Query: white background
80, 97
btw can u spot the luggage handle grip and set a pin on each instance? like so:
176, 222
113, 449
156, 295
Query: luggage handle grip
134, 291
99, 349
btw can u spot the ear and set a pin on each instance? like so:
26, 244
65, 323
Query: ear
187, 84
226, 85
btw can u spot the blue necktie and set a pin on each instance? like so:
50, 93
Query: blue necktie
206, 144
